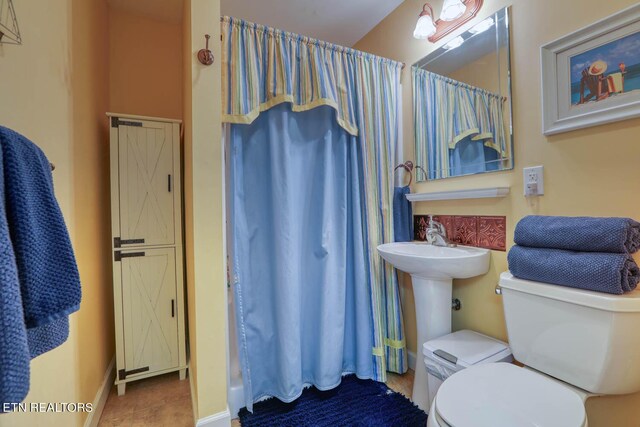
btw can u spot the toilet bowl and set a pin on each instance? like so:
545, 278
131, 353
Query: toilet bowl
558, 334
505, 395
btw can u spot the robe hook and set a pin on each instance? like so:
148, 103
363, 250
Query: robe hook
205, 56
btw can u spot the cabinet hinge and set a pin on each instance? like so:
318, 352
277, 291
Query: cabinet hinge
122, 374
117, 255
116, 122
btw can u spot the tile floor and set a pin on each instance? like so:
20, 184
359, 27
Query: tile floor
158, 401
401, 383
166, 401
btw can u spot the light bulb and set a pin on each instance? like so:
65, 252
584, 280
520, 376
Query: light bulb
454, 43
482, 26
452, 10
425, 27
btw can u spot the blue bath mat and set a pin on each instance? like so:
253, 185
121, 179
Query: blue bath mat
355, 402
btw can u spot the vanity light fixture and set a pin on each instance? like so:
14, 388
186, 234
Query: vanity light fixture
454, 43
454, 14
482, 26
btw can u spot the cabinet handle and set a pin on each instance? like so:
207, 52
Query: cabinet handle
169, 183
173, 308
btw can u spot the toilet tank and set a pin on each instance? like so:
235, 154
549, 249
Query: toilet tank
588, 339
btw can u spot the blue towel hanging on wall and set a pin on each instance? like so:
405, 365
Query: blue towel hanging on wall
402, 215
43, 262
14, 351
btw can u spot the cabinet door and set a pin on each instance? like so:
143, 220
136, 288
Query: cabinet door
146, 183
150, 317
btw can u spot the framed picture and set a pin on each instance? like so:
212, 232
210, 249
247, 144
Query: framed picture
592, 76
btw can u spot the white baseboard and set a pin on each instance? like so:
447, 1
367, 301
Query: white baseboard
411, 360
102, 395
221, 419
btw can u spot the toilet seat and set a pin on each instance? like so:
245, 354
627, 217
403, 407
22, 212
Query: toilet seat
504, 395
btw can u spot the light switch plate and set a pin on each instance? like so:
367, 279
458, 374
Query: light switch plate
533, 181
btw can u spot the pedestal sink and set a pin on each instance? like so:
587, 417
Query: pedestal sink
432, 269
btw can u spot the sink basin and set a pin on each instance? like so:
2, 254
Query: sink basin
432, 270
436, 262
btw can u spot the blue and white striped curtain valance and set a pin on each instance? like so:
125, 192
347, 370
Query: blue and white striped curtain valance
447, 111
263, 67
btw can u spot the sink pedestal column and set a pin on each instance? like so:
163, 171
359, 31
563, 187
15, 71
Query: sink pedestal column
433, 319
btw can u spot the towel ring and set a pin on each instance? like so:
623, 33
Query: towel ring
408, 166
423, 171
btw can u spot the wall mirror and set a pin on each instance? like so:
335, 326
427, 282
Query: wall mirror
462, 103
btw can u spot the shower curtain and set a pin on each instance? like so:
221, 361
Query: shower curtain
314, 127
299, 251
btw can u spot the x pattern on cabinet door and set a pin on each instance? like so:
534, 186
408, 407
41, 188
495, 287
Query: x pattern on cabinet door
146, 196
150, 329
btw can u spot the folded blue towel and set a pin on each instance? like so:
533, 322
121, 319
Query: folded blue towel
402, 215
583, 234
613, 273
14, 350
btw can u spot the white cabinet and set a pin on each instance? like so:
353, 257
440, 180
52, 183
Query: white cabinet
146, 223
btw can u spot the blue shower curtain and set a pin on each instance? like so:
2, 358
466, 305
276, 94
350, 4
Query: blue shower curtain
300, 264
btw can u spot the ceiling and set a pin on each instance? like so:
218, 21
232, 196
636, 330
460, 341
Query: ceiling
164, 10
343, 22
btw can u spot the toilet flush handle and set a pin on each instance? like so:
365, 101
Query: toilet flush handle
498, 290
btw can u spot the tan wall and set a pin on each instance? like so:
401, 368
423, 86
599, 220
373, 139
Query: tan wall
145, 57
92, 243
52, 91
587, 172
204, 211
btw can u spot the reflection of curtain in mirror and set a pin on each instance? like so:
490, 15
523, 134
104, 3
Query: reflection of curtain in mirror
459, 128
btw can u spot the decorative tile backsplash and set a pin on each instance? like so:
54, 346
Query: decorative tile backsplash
488, 232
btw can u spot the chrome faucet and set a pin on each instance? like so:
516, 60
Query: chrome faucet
437, 234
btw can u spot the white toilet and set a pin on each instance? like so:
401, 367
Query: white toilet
574, 344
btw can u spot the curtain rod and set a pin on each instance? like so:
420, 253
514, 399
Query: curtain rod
236, 21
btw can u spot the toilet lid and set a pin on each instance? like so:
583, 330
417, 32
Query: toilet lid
504, 395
